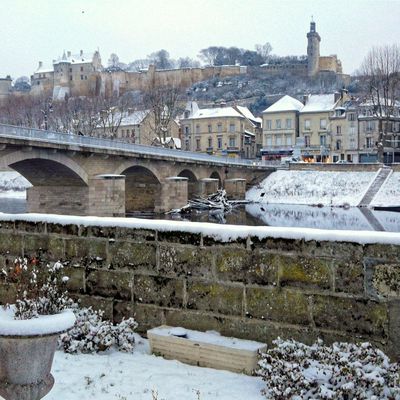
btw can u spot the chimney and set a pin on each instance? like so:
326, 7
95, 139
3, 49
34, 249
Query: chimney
68, 54
305, 99
40, 64
337, 96
81, 53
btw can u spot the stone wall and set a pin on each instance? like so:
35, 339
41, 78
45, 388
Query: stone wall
334, 167
248, 288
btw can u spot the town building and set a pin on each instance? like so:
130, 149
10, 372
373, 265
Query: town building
223, 131
137, 127
5, 88
280, 127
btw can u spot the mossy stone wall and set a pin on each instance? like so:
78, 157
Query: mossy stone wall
249, 288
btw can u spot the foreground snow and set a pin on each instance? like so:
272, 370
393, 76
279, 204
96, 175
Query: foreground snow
389, 194
134, 376
312, 187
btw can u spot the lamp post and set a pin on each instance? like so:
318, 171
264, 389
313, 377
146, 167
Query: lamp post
48, 108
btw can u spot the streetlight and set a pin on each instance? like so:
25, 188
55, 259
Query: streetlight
48, 108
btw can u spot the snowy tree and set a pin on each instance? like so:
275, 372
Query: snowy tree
381, 75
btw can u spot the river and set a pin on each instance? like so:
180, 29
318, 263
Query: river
279, 215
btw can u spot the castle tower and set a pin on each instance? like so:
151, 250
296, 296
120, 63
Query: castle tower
313, 50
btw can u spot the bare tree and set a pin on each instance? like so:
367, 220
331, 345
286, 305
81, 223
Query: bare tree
264, 50
162, 103
381, 74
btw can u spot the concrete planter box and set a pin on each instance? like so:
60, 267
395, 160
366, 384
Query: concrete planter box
26, 359
205, 349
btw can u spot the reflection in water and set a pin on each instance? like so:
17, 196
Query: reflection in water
270, 214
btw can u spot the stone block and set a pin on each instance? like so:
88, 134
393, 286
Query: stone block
263, 268
394, 329
232, 263
280, 305
115, 284
179, 260
98, 231
105, 305
159, 291
136, 256
7, 225
31, 227
179, 237
357, 316
384, 252
349, 277
135, 235
216, 297
76, 282
11, 243
59, 229
8, 293
386, 280
147, 316
47, 247
305, 272
77, 249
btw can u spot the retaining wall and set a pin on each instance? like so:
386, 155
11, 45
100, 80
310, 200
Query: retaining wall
249, 288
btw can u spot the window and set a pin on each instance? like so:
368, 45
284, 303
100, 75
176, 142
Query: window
352, 143
70, 77
370, 126
269, 124
187, 130
231, 127
70, 70
338, 130
322, 140
81, 69
209, 142
322, 123
288, 140
197, 128
219, 128
232, 142
288, 123
307, 124
338, 145
269, 140
307, 141
187, 144
352, 117
198, 144
352, 130
369, 143
278, 140
278, 124
81, 77
209, 127
220, 142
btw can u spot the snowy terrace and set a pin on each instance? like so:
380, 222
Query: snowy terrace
313, 188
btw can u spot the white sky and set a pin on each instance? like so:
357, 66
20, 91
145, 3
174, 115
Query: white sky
39, 30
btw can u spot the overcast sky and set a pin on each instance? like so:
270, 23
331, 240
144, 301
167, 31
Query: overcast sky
40, 30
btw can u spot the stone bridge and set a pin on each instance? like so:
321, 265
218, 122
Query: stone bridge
81, 175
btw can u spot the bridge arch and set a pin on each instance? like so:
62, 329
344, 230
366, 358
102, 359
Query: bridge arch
142, 188
216, 175
46, 169
192, 182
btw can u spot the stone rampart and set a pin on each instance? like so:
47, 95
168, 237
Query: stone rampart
249, 287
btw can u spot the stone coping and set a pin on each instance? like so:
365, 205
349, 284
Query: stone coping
223, 233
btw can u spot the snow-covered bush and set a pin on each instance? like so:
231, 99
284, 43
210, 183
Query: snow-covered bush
343, 371
92, 333
40, 288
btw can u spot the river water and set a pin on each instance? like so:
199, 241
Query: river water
279, 215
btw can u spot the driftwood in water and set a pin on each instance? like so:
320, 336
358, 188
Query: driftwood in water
215, 201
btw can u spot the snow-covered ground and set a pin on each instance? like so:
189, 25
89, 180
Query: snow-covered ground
116, 375
12, 184
389, 195
311, 187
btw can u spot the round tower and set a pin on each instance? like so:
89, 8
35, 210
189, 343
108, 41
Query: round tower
313, 50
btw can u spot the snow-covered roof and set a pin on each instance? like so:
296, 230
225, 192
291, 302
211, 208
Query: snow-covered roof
216, 113
286, 103
43, 69
81, 58
134, 118
248, 114
319, 103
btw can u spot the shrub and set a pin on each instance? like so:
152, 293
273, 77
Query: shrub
343, 371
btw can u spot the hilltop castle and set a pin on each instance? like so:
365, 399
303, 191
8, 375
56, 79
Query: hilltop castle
82, 74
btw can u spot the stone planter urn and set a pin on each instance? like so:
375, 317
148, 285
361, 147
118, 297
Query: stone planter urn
27, 350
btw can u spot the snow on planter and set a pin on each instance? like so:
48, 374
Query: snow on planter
43, 325
205, 349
